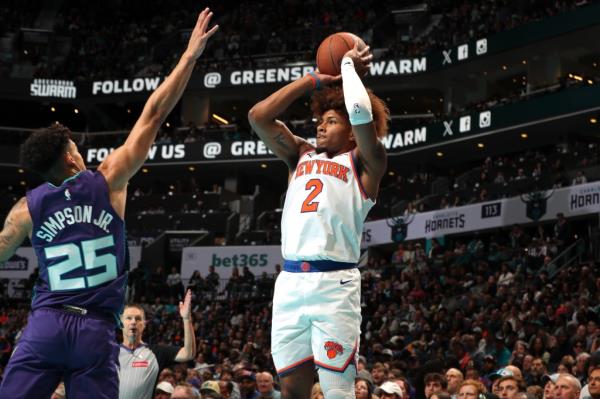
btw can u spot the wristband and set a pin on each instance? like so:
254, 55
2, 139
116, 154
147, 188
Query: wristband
316, 81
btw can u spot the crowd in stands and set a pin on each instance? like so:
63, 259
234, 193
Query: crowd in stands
135, 38
483, 305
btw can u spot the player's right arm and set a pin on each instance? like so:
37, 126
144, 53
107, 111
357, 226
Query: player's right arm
17, 226
126, 160
274, 133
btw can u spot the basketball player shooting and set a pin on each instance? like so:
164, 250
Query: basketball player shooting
316, 304
75, 223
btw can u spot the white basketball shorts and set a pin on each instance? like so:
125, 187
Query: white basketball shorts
316, 317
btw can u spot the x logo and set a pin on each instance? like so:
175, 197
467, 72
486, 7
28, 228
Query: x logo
447, 59
448, 128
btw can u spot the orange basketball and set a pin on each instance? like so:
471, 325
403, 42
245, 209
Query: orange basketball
332, 50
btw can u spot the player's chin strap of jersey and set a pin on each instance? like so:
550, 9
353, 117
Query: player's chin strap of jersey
356, 97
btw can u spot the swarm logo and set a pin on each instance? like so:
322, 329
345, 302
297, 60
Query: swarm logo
211, 150
53, 88
333, 349
212, 80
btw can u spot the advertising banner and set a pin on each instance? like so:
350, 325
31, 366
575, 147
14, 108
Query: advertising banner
258, 259
542, 206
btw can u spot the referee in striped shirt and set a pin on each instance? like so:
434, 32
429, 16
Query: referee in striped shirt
140, 363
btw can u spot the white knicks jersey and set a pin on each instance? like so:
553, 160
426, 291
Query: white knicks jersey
325, 208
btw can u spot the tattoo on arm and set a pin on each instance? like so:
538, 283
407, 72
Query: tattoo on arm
280, 141
10, 236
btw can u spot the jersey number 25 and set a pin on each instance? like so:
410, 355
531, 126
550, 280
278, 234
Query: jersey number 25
91, 261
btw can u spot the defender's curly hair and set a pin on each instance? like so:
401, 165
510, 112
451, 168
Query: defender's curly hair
332, 97
44, 147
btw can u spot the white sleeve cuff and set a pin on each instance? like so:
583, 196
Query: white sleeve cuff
356, 97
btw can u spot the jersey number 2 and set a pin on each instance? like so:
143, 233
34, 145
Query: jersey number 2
73, 260
309, 205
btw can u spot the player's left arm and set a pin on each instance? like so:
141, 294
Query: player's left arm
188, 352
17, 226
370, 150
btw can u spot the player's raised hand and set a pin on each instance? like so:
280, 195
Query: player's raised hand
361, 58
185, 307
326, 80
200, 35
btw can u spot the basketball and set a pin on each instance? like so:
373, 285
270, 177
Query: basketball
332, 50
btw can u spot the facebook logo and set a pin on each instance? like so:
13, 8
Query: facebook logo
463, 52
464, 124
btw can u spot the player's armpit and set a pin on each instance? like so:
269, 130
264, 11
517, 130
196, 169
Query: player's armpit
17, 226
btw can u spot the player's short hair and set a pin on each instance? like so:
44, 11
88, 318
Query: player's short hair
332, 97
41, 150
136, 306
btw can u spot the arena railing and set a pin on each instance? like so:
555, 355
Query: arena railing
573, 253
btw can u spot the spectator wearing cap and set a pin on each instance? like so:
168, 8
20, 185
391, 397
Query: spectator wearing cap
567, 387
185, 391
163, 390
455, 378
515, 371
470, 389
266, 386
390, 390
210, 390
509, 386
549, 384
594, 383
248, 385
495, 379
434, 382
